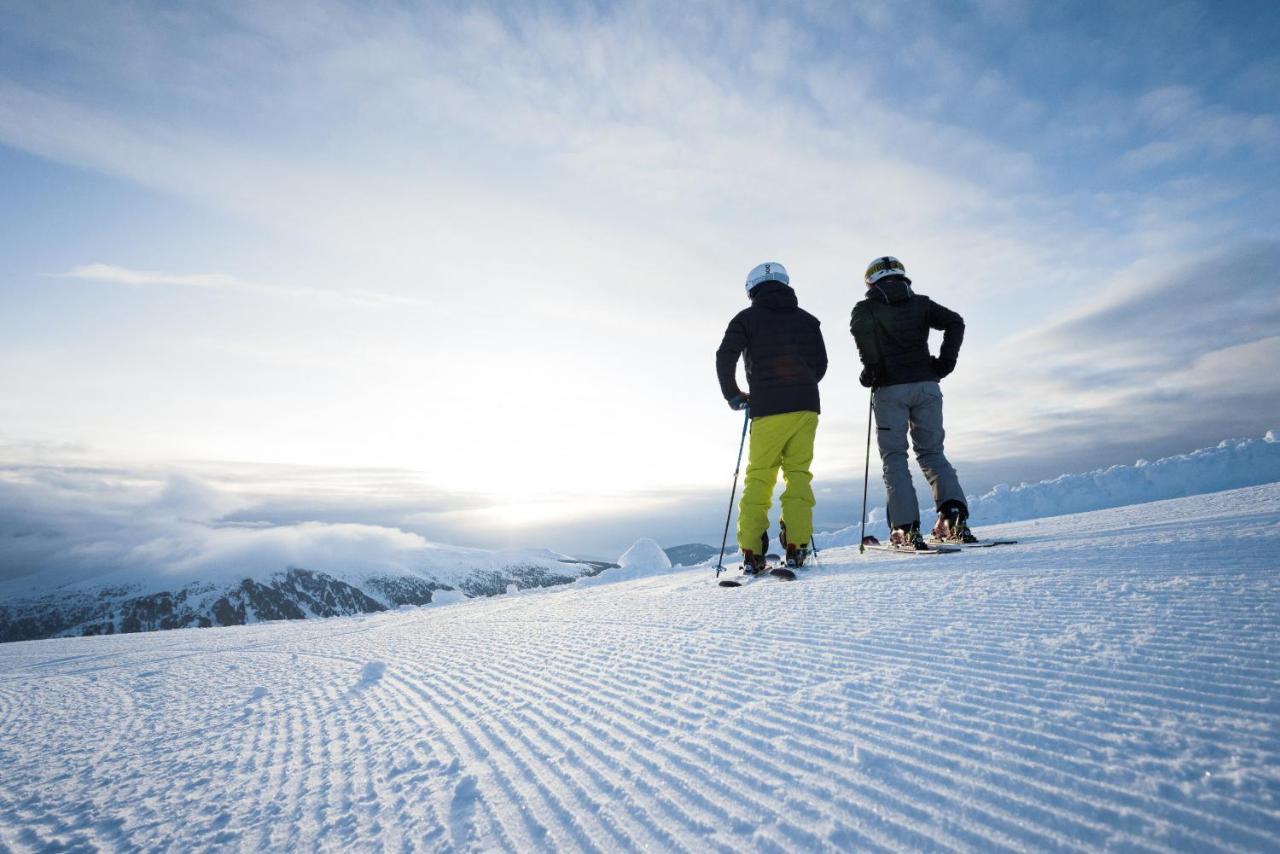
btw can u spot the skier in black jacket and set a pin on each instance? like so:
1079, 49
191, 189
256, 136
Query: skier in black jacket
782, 350
891, 329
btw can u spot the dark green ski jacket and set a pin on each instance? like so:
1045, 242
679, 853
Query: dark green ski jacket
891, 328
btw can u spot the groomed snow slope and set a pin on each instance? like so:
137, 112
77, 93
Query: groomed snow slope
1111, 682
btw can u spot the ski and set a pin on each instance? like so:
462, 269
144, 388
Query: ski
742, 579
934, 547
932, 550
773, 569
985, 544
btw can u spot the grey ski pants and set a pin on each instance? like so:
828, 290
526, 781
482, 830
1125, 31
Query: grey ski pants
914, 407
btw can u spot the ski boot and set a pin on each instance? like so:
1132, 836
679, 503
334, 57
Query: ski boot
908, 538
753, 565
795, 555
953, 526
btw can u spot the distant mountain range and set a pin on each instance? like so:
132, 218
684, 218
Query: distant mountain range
295, 593
692, 554
126, 603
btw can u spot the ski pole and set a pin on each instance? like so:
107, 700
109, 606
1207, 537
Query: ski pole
746, 420
866, 473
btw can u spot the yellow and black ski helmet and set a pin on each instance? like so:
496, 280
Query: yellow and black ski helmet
885, 265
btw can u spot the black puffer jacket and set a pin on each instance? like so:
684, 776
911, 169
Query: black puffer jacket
891, 328
782, 349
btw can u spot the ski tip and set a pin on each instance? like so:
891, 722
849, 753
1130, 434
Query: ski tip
783, 574
729, 582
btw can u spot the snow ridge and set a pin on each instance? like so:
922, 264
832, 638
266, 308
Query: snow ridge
1231, 464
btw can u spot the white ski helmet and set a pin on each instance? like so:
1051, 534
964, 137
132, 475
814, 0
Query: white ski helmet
883, 266
769, 271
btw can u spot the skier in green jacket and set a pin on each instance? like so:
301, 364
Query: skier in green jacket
891, 329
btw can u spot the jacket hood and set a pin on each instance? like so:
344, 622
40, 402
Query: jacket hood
774, 296
892, 289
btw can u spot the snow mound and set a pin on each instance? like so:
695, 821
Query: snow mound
1231, 464
372, 672
644, 554
447, 597
644, 559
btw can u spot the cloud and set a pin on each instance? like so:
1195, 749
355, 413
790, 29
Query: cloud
110, 274
1205, 304
157, 526
477, 154
549, 108
66, 526
579, 171
161, 525
1184, 126
1161, 358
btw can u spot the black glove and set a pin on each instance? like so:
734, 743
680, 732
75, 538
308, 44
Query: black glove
942, 367
868, 377
739, 402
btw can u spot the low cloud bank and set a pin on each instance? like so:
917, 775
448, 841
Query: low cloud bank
62, 526
156, 530
1231, 464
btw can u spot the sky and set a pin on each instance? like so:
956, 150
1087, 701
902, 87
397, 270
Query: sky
461, 269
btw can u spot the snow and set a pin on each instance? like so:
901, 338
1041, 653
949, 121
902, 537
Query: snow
1230, 464
372, 672
447, 597
643, 559
1110, 682
644, 554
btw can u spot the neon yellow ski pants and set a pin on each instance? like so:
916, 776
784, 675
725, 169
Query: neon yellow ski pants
778, 441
